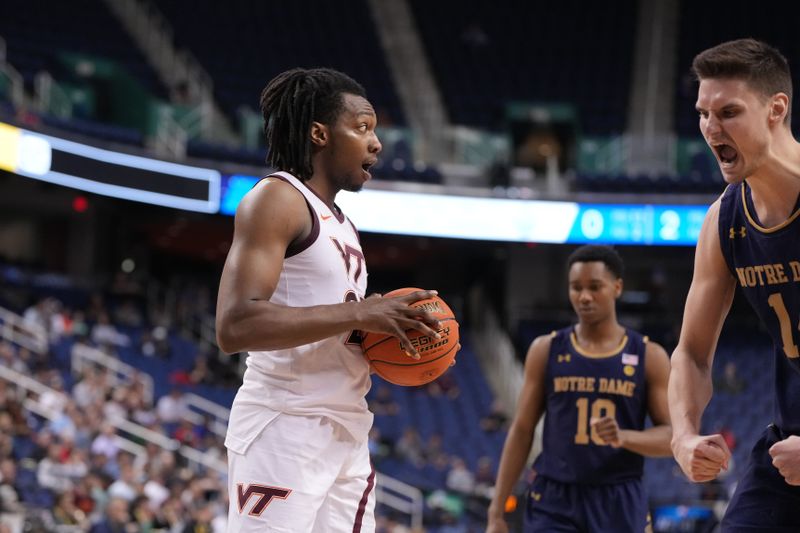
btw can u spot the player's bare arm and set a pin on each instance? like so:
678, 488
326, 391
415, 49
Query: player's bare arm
271, 217
690, 388
520, 435
653, 441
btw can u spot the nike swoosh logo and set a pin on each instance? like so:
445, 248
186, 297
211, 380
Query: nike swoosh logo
323, 217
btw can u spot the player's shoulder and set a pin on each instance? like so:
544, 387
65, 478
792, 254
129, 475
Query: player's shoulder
268, 195
653, 349
658, 364
540, 347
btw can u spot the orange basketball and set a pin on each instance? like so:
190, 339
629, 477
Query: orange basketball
390, 361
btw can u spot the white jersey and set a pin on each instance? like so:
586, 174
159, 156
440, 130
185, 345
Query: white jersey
328, 377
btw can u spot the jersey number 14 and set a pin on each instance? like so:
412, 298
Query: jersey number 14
775, 301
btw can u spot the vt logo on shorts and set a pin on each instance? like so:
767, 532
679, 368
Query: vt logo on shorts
264, 494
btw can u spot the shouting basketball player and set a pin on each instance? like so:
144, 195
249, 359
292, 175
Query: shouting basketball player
750, 238
597, 381
292, 294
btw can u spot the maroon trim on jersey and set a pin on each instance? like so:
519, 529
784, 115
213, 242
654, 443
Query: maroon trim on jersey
362, 505
297, 247
355, 230
337, 212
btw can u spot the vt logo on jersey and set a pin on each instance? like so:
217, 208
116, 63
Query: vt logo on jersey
347, 252
264, 495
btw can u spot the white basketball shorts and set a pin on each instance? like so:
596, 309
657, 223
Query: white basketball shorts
302, 474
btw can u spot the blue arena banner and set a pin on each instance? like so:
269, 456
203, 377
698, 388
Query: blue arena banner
499, 219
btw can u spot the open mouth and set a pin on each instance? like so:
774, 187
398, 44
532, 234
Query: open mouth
727, 154
368, 165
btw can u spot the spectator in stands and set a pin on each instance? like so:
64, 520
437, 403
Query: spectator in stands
379, 448
106, 442
116, 518
66, 513
383, 404
434, 449
80, 329
154, 488
55, 399
11, 508
6, 445
730, 381
63, 425
186, 433
445, 385
18, 421
104, 333
172, 408
200, 374
9, 358
496, 420
170, 515
459, 478
484, 478
37, 315
202, 516
142, 514
155, 343
57, 475
128, 314
139, 411
409, 447
127, 487
91, 387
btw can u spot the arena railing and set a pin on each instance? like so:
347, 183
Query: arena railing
17, 331
83, 357
141, 433
401, 497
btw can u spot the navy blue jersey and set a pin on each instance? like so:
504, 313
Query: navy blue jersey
766, 265
581, 386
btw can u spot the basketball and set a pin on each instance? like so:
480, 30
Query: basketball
387, 357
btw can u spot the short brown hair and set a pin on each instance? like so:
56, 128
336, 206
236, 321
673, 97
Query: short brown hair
762, 66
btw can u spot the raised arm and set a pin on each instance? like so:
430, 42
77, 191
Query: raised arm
690, 389
271, 217
520, 435
653, 441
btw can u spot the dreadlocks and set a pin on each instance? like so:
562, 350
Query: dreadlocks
290, 103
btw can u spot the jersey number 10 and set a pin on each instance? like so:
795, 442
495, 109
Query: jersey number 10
600, 408
775, 301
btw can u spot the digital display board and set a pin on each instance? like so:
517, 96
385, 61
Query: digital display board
496, 219
142, 179
108, 173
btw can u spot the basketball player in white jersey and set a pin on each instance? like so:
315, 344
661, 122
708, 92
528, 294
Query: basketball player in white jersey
292, 295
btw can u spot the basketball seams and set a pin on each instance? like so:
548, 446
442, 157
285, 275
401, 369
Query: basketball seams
413, 362
393, 363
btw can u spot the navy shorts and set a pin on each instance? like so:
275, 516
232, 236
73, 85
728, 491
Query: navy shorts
553, 506
763, 500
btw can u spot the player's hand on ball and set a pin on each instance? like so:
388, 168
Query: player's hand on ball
786, 458
608, 430
394, 315
701, 457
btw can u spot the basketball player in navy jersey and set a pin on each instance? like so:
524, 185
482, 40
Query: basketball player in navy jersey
292, 294
750, 238
597, 381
